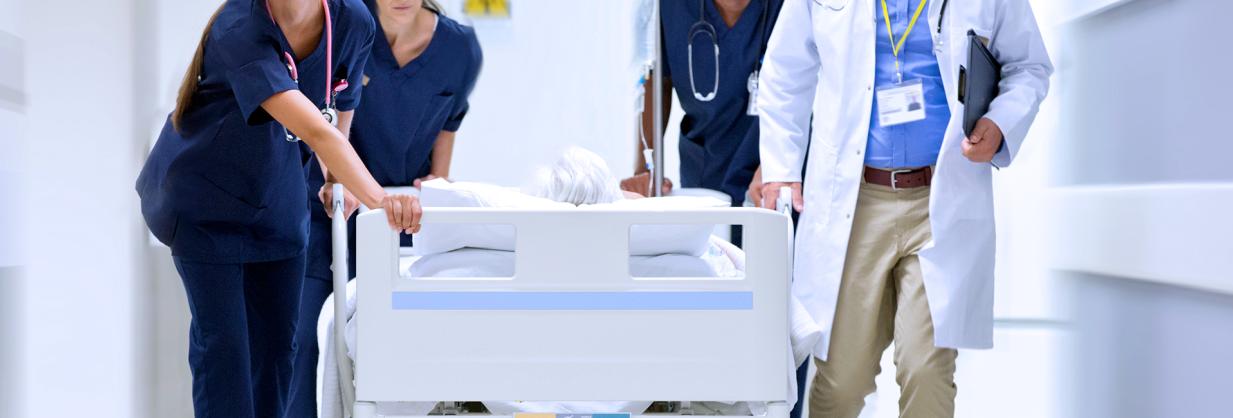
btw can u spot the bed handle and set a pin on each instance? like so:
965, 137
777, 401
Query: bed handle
783, 204
338, 224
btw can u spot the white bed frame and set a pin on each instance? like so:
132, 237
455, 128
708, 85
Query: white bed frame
708, 339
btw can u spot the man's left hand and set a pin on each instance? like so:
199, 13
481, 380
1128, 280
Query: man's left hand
985, 141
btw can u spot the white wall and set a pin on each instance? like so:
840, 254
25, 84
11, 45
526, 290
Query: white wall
83, 291
1141, 197
555, 74
12, 124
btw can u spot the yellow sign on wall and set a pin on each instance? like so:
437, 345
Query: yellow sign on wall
486, 9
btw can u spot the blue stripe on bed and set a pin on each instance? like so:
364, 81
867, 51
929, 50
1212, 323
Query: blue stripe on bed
573, 301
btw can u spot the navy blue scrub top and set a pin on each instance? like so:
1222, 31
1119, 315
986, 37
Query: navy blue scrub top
719, 142
228, 187
405, 109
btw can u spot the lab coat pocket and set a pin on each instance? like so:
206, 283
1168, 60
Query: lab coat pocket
826, 15
957, 39
985, 35
832, 5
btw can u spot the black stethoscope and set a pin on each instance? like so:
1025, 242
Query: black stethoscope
329, 112
702, 27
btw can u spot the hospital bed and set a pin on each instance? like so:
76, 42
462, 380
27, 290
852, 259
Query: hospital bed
572, 323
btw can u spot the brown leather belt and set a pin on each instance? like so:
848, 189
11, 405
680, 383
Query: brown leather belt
900, 179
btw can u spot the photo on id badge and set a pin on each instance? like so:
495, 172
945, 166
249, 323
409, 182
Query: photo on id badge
901, 103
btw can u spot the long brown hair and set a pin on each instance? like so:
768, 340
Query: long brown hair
434, 6
192, 76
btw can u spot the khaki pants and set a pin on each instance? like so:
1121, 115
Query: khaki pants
882, 298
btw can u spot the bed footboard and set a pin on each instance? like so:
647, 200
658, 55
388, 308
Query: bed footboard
572, 324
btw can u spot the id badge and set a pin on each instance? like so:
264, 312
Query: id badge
752, 86
901, 103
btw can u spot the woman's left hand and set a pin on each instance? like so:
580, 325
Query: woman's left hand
350, 202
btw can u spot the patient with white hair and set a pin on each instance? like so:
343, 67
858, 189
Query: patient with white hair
579, 177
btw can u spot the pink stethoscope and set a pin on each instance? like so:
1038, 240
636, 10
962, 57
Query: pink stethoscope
332, 89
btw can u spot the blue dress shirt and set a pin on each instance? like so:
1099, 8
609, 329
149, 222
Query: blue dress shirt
913, 144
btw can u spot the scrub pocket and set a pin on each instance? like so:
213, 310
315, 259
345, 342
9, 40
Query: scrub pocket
437, 112
216, 203
237, 176
427, 123
425, 114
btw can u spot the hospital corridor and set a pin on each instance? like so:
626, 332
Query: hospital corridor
615, 208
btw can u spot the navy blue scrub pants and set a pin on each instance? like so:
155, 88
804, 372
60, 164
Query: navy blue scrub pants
802, 374
241, 340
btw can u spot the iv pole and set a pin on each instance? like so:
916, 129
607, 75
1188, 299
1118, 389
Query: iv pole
657, 128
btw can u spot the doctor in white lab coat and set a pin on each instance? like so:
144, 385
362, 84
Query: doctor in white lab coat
911, 261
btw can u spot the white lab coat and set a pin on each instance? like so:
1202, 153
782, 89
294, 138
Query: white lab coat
820, 62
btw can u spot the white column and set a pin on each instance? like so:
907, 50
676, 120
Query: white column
84, 288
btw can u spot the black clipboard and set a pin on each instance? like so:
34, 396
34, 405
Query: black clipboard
978, 82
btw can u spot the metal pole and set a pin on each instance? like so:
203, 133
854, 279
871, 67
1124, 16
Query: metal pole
657, 172
339, 256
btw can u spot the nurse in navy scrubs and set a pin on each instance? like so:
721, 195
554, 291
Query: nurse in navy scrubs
422, 69
224, 186
719, 131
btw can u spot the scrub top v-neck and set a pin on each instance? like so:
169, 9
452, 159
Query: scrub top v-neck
227, 187
719, 142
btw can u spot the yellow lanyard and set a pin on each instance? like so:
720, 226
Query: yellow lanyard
898, 46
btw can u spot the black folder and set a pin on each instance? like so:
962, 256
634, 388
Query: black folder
978, 82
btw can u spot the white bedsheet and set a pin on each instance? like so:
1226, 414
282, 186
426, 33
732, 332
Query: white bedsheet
722, 259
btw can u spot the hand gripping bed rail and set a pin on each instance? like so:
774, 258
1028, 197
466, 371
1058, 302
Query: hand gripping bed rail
338, 235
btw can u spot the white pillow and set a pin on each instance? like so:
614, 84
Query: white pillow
645, 240
441, 238
688, 239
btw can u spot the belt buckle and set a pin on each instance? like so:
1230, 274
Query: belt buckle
894, 178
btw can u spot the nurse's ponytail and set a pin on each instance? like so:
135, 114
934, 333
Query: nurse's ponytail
192, 77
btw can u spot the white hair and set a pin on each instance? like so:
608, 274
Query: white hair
579, 177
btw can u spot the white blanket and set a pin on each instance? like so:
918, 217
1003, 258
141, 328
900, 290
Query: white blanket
721, 260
